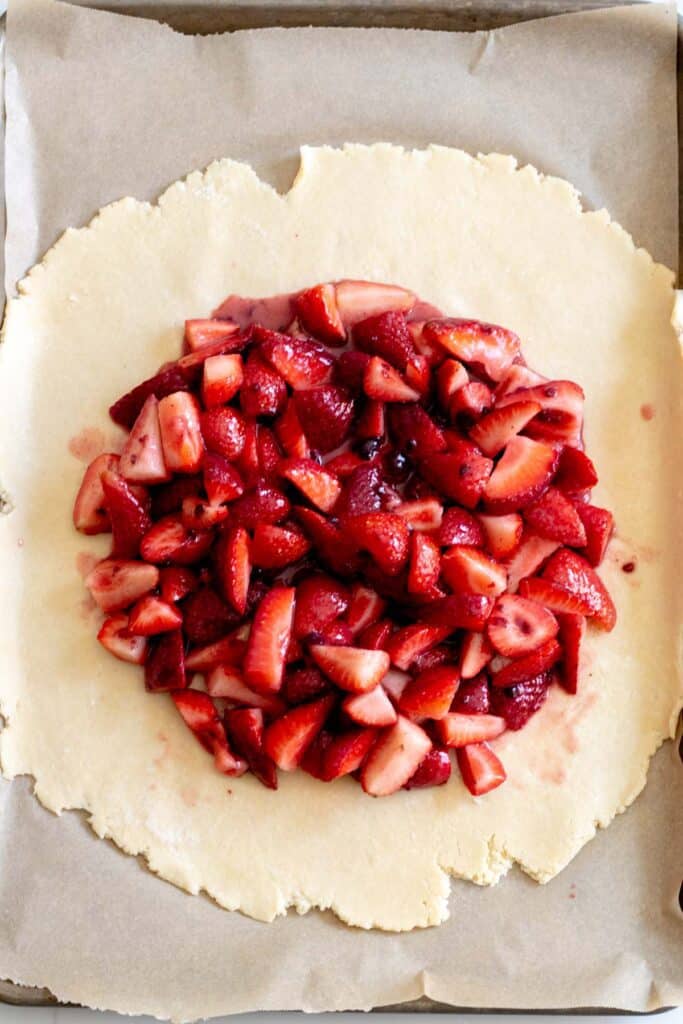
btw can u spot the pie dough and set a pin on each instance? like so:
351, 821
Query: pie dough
476, 237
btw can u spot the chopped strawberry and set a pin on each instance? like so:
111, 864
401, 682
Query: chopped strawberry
475, 654
152, 615
206, 617
247, 461
191, 364
470, 403
366, 490
385, 335
168, 498
90, 513
346, 753
394, 758
415, 431
181, 434
350, 370
320, 600
370, 424
433, 353
459, 611
522, 474
262, 505
575, 471
418, 375
572, 573
598, 524
313, 760
301, 362
469, 570
459, 730
517, 377
170, 541
461, 474
263, 391
375, 636
268, 640
431, 694
321, 487
503, 534
290, 433
325, 414
117, 583
425, 514
234, 567
175, 583
344, 464
529, 665
365, 608
303, 684
460, 527
223, 377
433, 770
528, 558
127, 409
480, 768
334, 549
224, 432
435, 657
425, 564
142, 458
410, 641
287, 739
382, 382
128, 517
351, 668
358, 300
473, 696
553, 516
199, 333
519, 702
274, 547
384, 536
498, 427
116, 638
228, 651
197, 514
451, 376
199, 714
561, 415
555, 598
371, 708
226, 682
165, 663
572, 632
245, 728
268, 452
317, 311
488, 346
518, 626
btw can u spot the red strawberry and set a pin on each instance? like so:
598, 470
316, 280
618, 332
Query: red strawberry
561, 415
170, 541
197, 514
418, 375
503, 534
425, 564
326, 415
460, 474
553, 516
287, 739
142, 458
223, 377
572, 573
168, 498
572, 632
226, 682
469, 403
458, 730
268, 640
375, 637
451, 376
529, 665
385, 335
351, 668
234, 568
469, 570
116, 638
344, 464
303, 684
459, 611
522, 474
358, 300
301, 362
199, 333
126, 410
460, 527
483, 345
414, 431
394, 758
165, 664
384, 536
435, 657
370, 424
321, 487
334, 549
274, 547
117, 583
181, 435
248, 460
575, 471
263, 391
290, 433
319, 601
517, 377
383, 382
190, 365
129, 519
346, 753
334, 633
518, 703
555, 598
224, 432
433, 770
498, 427
152, 615
473, 697
433, 353
350, 370
176, 583
475, 654
206, 617
228, 651
268, 452
425, 514
431, 694
90, 514
366, 490
245, 730
407, 643
365, 608
394, 683
530, 555
317, 311
262, 505
598, 524
480, 768
313, 760
200, 715
518, 626
372, 708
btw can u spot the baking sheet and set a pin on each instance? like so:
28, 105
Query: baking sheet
90, 97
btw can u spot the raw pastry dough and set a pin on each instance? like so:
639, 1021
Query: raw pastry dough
476, 237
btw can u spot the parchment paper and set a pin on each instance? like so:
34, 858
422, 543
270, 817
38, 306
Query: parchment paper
100, 105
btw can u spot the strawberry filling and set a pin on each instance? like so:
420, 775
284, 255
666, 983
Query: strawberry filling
350, 537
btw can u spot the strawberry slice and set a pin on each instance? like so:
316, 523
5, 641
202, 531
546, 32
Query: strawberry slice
385, 335
304, 684
244, 727
168, 498
518, 626
316, 309
301, 362
475, 654
227, 651
117, 583
313, 760
518, 703
321, 487
325, 414
197, 514
90, 514
406, 644
268, 452
461, 474
598, 524
430, 694
116, 638
269, 638
170, 541
553, 516
350, 370
346, 753
234, 568
425, 564
206, 617
351, 668
382, 382
528, 558
200, 715
460, 527
425, 514
480, 768
450, 377
287, 739
366, 490
488, 346
358, 300
418, 375
165, 664
142, 458
344, 464
572, 632
522, 474
263, 391
473, 696
561, 415
125, 411
181, 435
375, 636
573, 573
372, 708
152, 615
555, 598
334, 548
224, 432
226, 682
129, 519
433, 770
498, 427
365, 608
175, 583
516, 378
223, 377
503, 534
459, 611
384, 535
529, 665
575, 471
458, 730
274, 547
320, 600
199, 333
469, 570
262, 505
191, 364
290, 433
415, 431
371, 422
394, 758
470, 403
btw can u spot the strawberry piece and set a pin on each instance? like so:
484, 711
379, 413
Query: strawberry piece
116, 638
516, 378
385, 335
528, 666
522, 474
334, 549
326, 415
450, 377
152, 615
170, 541
90, 514
572, 573
435, 657
459, 730
199, 333
346, 753
228, 651
191, 364
263, 391
424, 515
234, 568
414, 431
206, 617
518, 626
358, 300
460, 527
394, 758
168, 498
433, 770
197, 514
383, 382
224, 432
375, 637
384, 536
470, 403
290, 433
351, 668
313, 760
431, 694
117, 583
366, 490
475, 654
394, 683
460, 474
126, 410
129, 519
303, 684
433, 353
263, 505
488, 346
142, 458
598, 524
503, 534
200, 715
575, 471
226, 682
181, 435
528, 558
467, 569
321, 487
372, 708
268, 452
473, 696
553, 516
274, 547
459, 611
223, 377
555, 598
316, 309
175, 583
269, 638
572, 632
165, 664
371, 424
519, 702
418, 375
480, 768
248, 460
561, 415
425, 564
301, 362
407, 643
319, 601
244, 727
350, 370
498, 427
344, 464
287, 739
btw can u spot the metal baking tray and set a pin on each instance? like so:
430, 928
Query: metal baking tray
445, 15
